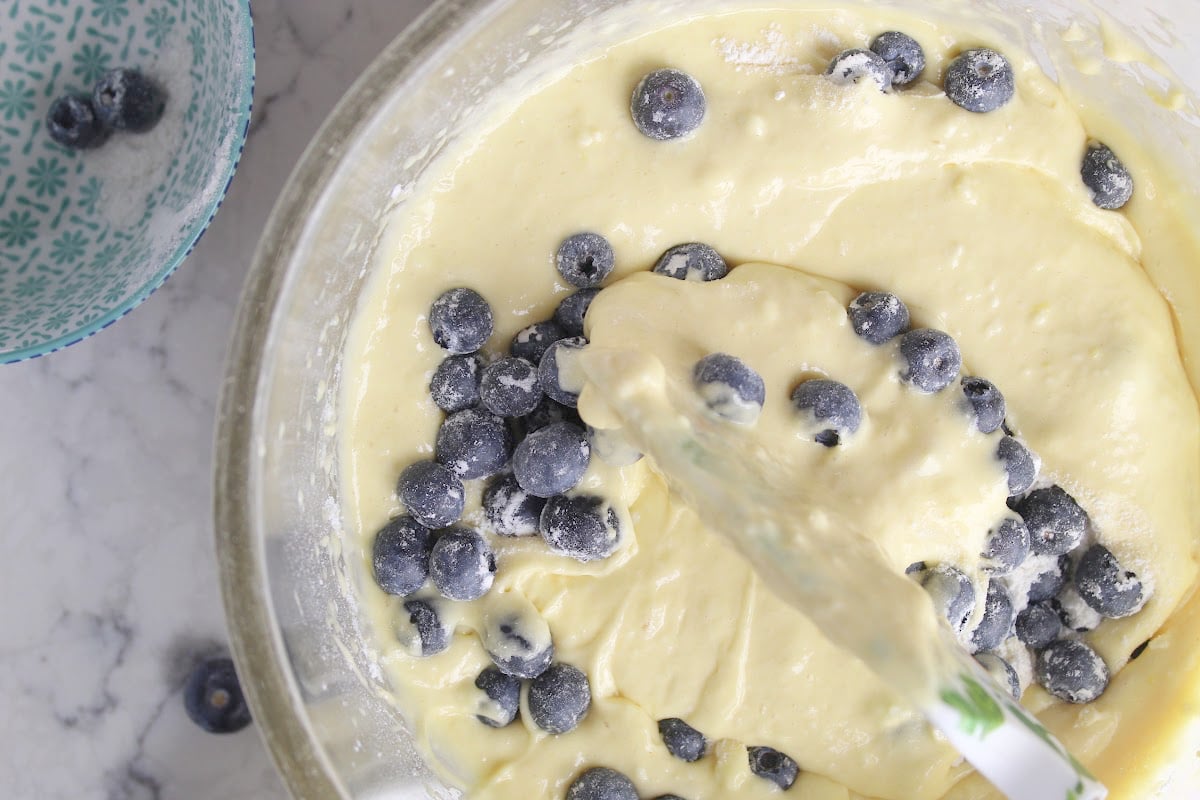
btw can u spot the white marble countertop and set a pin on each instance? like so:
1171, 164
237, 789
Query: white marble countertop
108, 587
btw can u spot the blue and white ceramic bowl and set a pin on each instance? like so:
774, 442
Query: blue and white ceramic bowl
86, 236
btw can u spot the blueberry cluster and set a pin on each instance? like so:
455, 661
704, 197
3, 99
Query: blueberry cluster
122, 100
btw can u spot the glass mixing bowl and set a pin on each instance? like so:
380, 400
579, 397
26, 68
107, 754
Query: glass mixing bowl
289, 576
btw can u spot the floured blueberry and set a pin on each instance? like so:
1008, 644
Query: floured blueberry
549, 412
509, 509
432, 494
519, 644
985, 402
1106, 586
1106, 177
421, 630
455, 382
400, 556
997, 620
550, 373
552, 460
854, 66
501, 698
585, 259
667, 104
1019, 464
902, 54
570, 312
1056, 522
509, 387
473, 444
532, 342
461, 320
462, 565
878, 317
1002, 672
1071, 670
612, 447
682, 740
1006, 546
1073, 611
584, 527
932, 359
1038, 625
1049, 581
952, 594
980, 80
730, 388
769, 763
559, 698
601, 783
830, 408
72, 122
126, 99
692, 261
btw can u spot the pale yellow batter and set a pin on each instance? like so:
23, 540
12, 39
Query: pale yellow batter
978, 221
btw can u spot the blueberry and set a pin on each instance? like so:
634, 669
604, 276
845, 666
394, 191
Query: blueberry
985, 402
1073, 611
1019, 464
902, 54
462, 564
501, 698
1050, 581
213, 697
952, 593
547, 413
667, 104
769, 763
855, 66
692, 261
602, 783
980, 80
72, 122
550, 376
1038, 625
455, 383
532, 342
401, 556
570, 312
878, 317
583, 527
559, 698
509, 509
682, 740
125, 99
931, 359
461, 321
1056, 522
431, 493
830, 406
1006, 546
552, 460
1106, 177
519, 644
997, 620
473, 444
423, 632
509, 387
1105, 586
612, 447
584, 259
729, 387
1071, 670
1002, 672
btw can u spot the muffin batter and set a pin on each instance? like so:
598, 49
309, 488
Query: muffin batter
816, 191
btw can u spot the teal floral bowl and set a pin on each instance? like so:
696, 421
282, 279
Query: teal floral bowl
86, 236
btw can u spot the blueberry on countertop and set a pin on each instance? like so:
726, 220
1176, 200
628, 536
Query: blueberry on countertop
1071, 670
1106, 177
1038, 625
213, 697
932, 359
584, 259
682, 740
455, 383
902, 54
1019, 464
570, 312
473, 444
509, 387
125, 99
501, 698
532, 342
769, 763
400, 556
461, 321
692, 261
730, 388
857, 65
667, 104
1002, 671
433, 495
1050, 580
422, 632
997, 621
583, 527
550, 375
601, 783
830, 406
1006, 546
952, 593
72, 122
509, 509
1107, 587
985, 402
552, 460
980, 80
1056, 522
462, 565
519, 644
559, 698
878, 317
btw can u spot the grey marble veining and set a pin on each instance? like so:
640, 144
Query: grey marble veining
108, 586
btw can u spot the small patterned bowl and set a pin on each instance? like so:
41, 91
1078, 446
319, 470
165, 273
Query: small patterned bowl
86, 236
